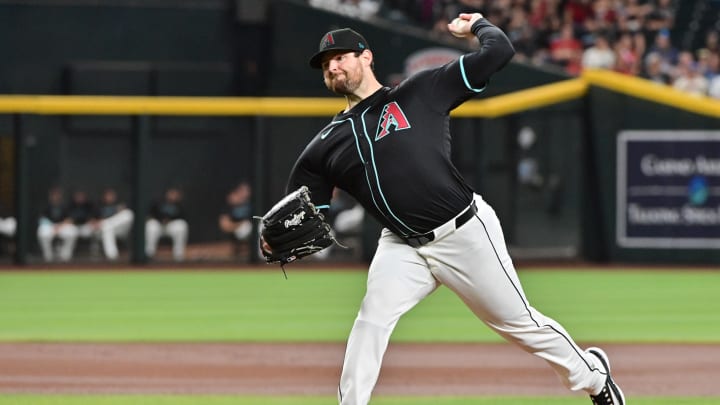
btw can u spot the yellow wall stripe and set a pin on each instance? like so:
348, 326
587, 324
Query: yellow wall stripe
523, 100
537, 97
657, 93
130, 105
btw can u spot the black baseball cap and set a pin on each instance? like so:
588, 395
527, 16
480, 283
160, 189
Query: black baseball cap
343, 39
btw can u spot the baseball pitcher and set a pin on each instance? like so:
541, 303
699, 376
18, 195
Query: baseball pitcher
390, 149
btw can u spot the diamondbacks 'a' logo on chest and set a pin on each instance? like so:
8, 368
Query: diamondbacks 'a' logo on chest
392, 119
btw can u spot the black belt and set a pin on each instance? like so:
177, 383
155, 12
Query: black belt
422, 239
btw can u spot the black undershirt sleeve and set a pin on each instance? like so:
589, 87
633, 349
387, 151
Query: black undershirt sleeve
495, 52
303, 174
457, 81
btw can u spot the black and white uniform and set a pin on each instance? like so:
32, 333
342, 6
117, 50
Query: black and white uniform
83, 214
53, 223
115, 222
241, 215
166, 219
392, 153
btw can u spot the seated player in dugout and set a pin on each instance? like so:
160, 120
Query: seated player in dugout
346, 217
83, 213
8, 224
167, 218
390, 149
115, 220
236, 218
55, 224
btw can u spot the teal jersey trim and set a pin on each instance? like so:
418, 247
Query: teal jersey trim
465, 79
377, 178
362, 160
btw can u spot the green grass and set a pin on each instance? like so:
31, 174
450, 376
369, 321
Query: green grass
610, 306
228, 400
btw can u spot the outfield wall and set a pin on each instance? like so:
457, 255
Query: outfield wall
563, 183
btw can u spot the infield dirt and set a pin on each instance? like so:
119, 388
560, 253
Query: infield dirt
313, 369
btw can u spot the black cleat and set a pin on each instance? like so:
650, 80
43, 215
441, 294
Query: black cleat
611, 394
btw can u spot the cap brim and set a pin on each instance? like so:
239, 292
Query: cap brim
316, 60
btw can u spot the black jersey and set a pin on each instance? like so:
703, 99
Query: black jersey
238, 212
55, 213
81, 212
107, 210
391, 151
167, 211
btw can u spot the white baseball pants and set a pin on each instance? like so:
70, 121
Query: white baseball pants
8, 226
243, 230
112, 228
176, 229
67, 233
474, 263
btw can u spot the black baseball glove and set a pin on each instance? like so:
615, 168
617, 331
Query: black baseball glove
294, 228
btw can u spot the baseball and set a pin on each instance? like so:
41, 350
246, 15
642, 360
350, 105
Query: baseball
459, 23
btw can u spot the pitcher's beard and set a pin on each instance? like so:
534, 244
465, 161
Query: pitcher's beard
344, 86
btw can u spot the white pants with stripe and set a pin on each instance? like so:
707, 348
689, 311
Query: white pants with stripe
474, 263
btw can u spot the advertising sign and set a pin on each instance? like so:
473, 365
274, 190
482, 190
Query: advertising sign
668, 189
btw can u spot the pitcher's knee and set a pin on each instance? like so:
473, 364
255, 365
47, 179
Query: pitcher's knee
377, 314
525, 333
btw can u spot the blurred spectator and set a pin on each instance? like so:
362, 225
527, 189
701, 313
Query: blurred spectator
451, 9
564, 33
714, 87
690, 80
540, 12
660, 17
628, 56
712, 67
521, 34
704, 63
600, 55
605, 17
167, 218
578, 13
634, 11
566, 50
653, 69
712, 41
236, 218
115, 221
55, 223
685, 60
667, 52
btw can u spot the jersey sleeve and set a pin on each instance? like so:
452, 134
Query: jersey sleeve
457, 81
307, 172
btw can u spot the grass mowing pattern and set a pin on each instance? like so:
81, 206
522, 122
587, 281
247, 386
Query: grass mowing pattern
610, 306
227, 400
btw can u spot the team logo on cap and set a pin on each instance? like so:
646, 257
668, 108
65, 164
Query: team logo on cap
328, 40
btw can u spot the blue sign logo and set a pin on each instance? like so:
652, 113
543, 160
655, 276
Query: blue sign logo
698, 190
